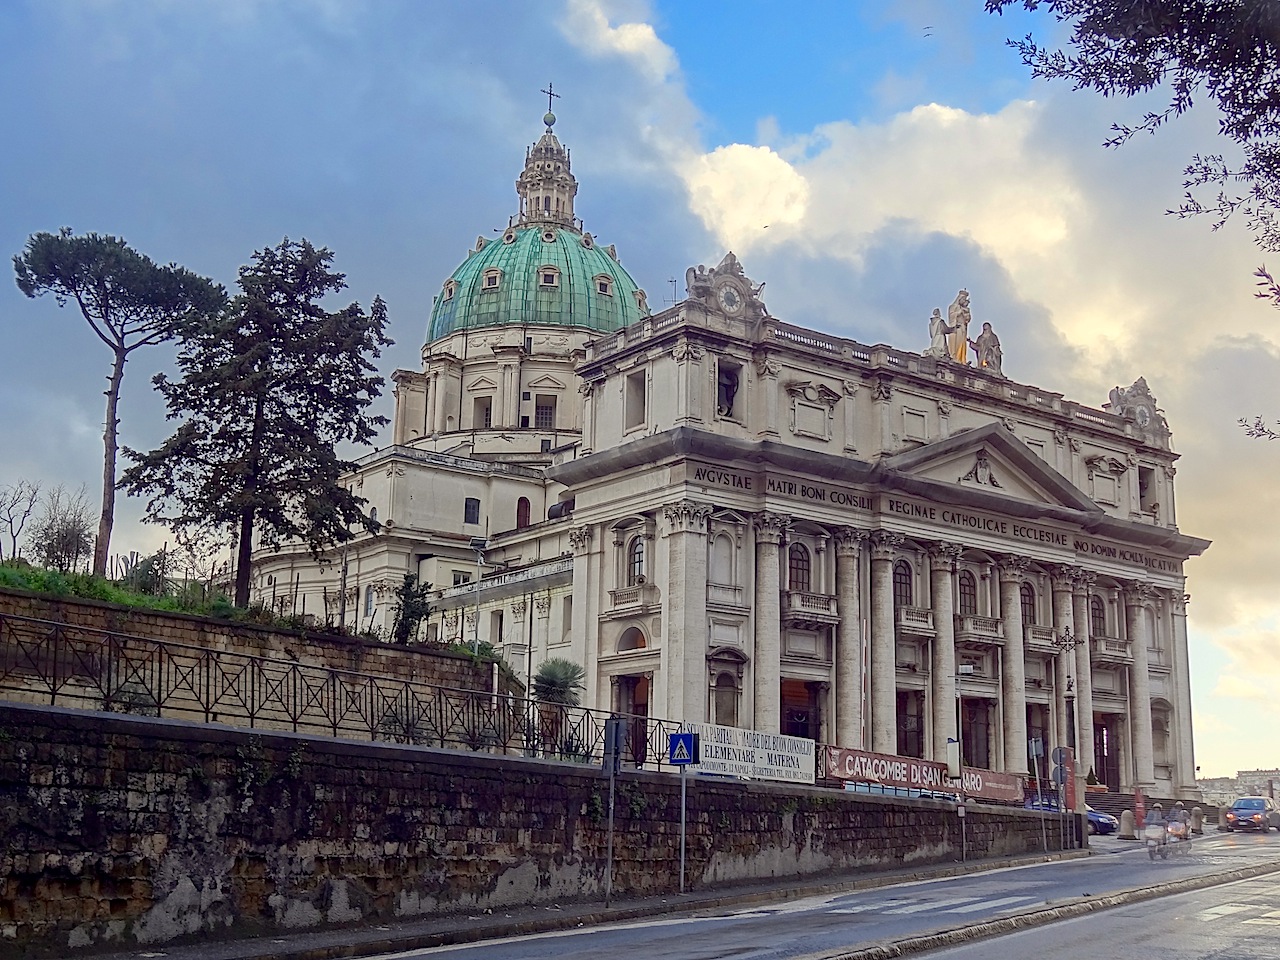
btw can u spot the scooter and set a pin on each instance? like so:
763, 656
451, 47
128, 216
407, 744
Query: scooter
1157, 837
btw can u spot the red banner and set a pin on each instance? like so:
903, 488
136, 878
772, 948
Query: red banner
911, 773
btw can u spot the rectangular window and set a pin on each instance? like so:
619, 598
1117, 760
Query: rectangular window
461, 577
495, 627
544, 413
482, 417
915, 426
471, 511
634, 401
566, 626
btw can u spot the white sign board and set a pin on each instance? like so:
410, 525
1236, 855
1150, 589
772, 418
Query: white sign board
734, 752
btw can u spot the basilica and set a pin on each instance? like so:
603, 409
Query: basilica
727, 518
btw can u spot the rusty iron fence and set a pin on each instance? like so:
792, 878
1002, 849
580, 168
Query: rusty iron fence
61, 664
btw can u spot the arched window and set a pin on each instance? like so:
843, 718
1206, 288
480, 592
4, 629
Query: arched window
373, 514
1028, 594
1097, 617
726, 700
798, 568
522, 513
968, 595
368, 600
635, 562
631, 639
903, 593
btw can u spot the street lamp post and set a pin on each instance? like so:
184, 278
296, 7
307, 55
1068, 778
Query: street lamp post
1066, 642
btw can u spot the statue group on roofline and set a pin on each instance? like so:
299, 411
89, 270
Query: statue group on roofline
949, 337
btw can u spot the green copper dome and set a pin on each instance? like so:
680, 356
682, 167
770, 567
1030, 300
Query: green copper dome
544, 269
538, 274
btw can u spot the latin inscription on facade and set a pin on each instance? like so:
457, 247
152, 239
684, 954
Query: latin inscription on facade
814, 490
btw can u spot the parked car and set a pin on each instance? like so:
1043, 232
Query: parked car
1253, 813
1099, 822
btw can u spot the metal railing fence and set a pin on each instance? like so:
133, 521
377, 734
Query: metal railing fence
61, 664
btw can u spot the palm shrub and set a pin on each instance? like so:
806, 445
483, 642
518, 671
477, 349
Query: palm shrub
559, 681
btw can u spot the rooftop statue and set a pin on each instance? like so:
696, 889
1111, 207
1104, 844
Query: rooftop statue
987, 350
958, 318
938, 331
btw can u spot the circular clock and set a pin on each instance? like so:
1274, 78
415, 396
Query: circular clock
730, 298
1143, 416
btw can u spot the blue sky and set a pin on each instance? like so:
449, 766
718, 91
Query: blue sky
866, 159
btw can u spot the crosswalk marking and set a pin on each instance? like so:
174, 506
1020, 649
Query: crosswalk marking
1270, 921
931, 905
1217, 913
987, 904
858, 908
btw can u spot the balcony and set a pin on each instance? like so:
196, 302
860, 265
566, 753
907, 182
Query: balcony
980, 632
1109, 650
813, 609
915, 620
637, 598
724, 595
1038, 638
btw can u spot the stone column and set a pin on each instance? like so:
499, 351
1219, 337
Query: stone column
1013, 676
1082, 589
1063, 623
884, 644
1185, 778
848, 652
942, 561
766, 662
1136, 597
686, 529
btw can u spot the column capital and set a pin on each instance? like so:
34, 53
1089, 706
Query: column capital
884, 543
1062, 576
580, 538
1083, 581
542, 605
771, 527
943, 555
1179, 600
687, 516
882, 389
1139, 593
848, 540
1012, 568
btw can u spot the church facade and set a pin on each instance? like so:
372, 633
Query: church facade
727, 518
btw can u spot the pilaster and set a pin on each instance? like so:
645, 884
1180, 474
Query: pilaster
1137, 597
686, 536
942, 565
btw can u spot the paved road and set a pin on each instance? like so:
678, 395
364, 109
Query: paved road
1239, 921
823, 926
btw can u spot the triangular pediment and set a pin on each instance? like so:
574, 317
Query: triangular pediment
482, 383
986, 465
546, 382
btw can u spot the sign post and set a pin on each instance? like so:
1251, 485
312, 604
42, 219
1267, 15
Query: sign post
615, 738
682, 750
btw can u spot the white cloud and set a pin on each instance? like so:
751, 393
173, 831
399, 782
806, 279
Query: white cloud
739, 192
587, 23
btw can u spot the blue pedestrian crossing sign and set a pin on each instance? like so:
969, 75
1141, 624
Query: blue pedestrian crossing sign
683, 748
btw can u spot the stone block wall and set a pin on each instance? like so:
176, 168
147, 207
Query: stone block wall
123, 830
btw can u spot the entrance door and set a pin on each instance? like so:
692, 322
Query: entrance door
1106, 752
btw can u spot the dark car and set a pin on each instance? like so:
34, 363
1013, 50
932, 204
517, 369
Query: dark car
1253, 813
1099, 822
